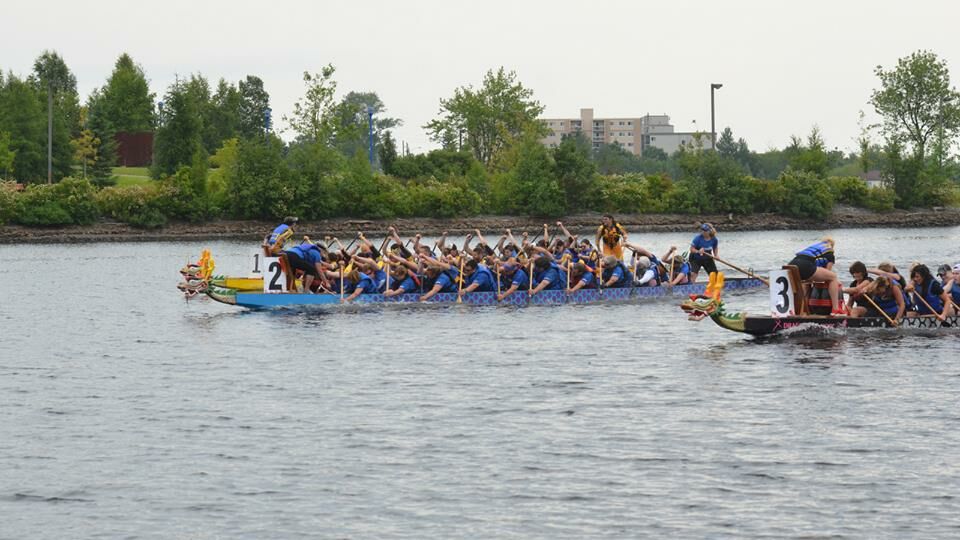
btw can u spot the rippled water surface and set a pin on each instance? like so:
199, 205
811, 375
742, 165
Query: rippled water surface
126, 412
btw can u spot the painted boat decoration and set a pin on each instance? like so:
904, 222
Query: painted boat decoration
261, 300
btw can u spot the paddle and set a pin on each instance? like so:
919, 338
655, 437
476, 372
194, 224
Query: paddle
460, 283
924, 300
498, 281
882, 312
670, 275
738, 269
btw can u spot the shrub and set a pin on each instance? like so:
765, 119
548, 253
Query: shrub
626, 194
137, 205
67, 203
805, 195
8, 202
881, 199
849, 190
767, 195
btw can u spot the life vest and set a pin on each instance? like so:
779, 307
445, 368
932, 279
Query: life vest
625, 281
927, 294
611, 235
279, 236
816, 251
482, 270
955, 292
887, 304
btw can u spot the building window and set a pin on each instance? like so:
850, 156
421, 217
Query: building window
629, 144
629, 123
653, 138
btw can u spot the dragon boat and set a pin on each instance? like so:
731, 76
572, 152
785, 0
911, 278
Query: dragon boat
790, 310
199, 279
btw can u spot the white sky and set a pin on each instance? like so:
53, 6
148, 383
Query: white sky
784, 66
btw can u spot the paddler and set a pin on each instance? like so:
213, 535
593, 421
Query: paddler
884, 295
547, 275
273, 244
814, 263
950, 280
702, 250
443, 277
929, 294
860, 282
613, 235
514, 276
308, 258
616, 275
478, 277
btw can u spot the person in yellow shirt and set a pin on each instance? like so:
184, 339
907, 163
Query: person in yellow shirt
613, 235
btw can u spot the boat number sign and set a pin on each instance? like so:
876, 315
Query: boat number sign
781, 294
275, 279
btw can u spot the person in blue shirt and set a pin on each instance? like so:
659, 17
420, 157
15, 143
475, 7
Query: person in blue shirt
364, 280
478, 277
402, 281
702, 250
273, 244
307, 258
929, 294
547, 275
443, 276
616, 275
515, 277
950, 280
815, 263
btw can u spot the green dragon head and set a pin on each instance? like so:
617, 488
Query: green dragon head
699, 306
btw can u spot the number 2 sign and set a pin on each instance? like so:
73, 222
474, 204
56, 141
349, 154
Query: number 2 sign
274, 278
781, 294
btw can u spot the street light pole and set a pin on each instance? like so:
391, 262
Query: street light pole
713, 116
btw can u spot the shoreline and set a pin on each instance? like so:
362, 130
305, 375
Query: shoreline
842, 217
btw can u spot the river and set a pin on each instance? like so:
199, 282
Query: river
127, 412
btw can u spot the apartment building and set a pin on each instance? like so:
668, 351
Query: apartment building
634, 134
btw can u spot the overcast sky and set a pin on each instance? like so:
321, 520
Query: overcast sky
784, 66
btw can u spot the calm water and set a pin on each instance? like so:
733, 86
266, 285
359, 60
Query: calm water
126, 412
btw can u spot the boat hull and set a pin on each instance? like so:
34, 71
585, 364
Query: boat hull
521, 298
763, 326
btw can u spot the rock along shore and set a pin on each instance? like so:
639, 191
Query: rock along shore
842, 217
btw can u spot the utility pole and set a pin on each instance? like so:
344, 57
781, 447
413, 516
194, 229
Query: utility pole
713, 122
49, 132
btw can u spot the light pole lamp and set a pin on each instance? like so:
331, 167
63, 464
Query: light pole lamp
713, 116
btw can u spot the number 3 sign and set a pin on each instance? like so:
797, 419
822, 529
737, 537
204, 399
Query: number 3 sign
274, 278
781, 294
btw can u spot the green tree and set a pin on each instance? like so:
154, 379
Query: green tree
98, 122
261, 186
491, 117
7, 155
352, 122
314, 115
127, 102
574, 168
253, 106
49, 70
812, 156
24, 117
180, 133
387, 153
726, 145
530, 185
916, 101
224, 117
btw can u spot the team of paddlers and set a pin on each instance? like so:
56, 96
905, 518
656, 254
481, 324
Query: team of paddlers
567, 262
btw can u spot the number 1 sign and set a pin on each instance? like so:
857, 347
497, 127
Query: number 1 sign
274, 278
781, 294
